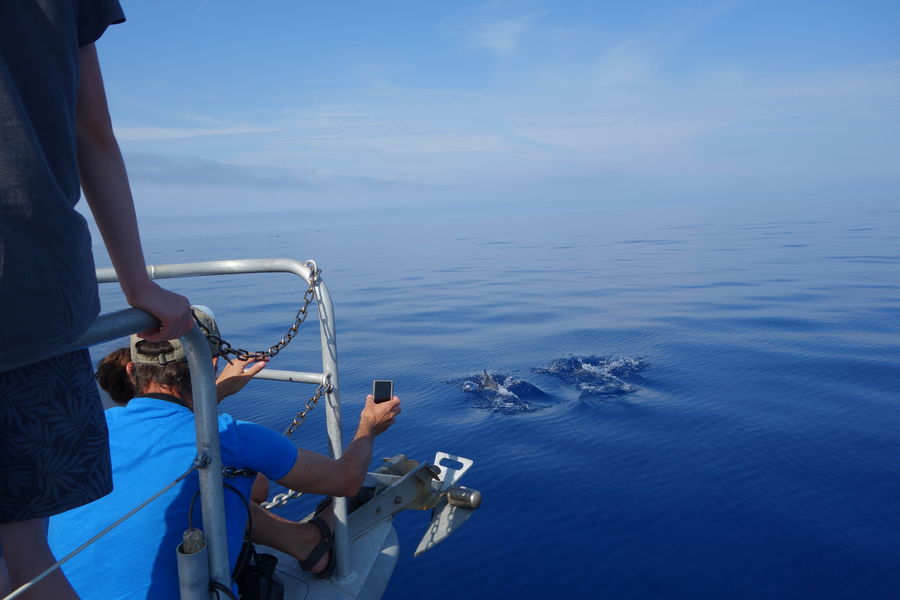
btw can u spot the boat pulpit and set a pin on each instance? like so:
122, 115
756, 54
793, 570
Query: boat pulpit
366, 543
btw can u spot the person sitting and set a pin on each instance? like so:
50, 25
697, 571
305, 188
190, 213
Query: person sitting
112, 377
152, 442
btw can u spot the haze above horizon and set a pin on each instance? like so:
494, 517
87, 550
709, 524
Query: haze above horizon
423, 106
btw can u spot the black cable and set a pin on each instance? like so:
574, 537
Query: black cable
248, 532
218, 587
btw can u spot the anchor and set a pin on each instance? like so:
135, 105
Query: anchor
405, 484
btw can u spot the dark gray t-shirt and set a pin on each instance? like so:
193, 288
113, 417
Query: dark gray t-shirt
48, 287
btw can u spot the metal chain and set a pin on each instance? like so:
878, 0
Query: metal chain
281, 499
234, 472
324, 388
224, 348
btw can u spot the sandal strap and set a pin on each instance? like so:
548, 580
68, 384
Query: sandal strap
321, 548
323, 505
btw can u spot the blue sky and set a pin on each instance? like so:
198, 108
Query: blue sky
429, 107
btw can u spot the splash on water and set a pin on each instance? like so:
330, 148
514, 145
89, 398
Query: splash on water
502, 393
596, 376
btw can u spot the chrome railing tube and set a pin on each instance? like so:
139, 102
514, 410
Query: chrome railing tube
122, 323
333, 421
110, 326
290, 376
206, 422
217, 267
329, 360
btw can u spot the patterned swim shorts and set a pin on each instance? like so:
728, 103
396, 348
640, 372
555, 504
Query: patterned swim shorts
54, 446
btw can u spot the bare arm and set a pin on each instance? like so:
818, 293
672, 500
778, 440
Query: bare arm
108, 193
317, 474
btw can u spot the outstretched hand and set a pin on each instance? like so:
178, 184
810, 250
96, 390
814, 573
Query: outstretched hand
173, 311
377, 418
235, 375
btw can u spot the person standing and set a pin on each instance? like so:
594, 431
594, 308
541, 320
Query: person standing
56, 133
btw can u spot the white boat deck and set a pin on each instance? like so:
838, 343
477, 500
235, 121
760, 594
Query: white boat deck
374, 555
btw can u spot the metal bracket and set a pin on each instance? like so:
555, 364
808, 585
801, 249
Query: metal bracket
422, 487
446, 517
449, 473
403, 493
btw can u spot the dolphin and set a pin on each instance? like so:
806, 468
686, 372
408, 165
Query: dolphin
488, 383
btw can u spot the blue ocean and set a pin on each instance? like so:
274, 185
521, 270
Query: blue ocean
660, 404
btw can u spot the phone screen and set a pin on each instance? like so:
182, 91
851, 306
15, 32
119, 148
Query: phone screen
382, 390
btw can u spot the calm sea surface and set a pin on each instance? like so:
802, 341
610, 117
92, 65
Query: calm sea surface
753, 450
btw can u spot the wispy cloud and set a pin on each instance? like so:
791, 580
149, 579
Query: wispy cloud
503, 36
193, 171
146, 133
166, 186
613, 122
625, 64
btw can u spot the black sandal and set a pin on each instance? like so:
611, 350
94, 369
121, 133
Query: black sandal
323, 505
326, 544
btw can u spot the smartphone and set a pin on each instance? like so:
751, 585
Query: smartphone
382, 390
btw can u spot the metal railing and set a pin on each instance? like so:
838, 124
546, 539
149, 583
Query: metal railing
122, 323
328, 344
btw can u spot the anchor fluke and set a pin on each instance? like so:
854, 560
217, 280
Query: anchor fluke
456, 503
445, 519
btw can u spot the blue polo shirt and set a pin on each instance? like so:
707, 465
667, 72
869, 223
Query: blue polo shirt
152, 442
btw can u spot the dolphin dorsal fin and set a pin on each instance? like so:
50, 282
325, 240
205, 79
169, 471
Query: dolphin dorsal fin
488, 383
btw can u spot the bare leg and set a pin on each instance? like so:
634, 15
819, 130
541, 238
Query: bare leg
296, 539
27, 554
260, 491
4, 579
